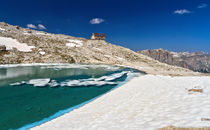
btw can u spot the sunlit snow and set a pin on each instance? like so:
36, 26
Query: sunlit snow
13, 43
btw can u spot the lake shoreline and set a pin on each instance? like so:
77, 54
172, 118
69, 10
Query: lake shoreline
128, 109
68, 110
63, 86
147, 70
65, 112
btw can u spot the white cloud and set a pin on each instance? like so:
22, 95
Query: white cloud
31, 26
203, 5
182, 11
42, 27
96, 21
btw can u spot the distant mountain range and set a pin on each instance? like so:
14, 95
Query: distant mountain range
197, 61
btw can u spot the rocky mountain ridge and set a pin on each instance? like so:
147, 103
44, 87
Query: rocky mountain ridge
32, 46
196, 61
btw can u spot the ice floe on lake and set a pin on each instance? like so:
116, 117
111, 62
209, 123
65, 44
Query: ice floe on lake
39, 82
100, 81
73, 83
104, 80
63, 75
18, 83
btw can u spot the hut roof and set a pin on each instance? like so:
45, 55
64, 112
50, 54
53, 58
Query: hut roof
99, 34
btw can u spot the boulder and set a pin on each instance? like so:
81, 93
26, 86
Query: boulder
3, 48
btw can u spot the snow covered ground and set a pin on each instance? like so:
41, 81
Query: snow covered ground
42, 53
74, 43
13, 43
2, 29
144, 103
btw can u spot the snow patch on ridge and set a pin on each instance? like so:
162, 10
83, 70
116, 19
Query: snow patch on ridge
42, 52
40, 33
13, 43
2, 29
74, 43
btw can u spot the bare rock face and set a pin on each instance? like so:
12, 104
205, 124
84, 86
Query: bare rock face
197, 61
160, 55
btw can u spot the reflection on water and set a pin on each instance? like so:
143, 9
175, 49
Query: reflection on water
14, 74
7, 73
3, 72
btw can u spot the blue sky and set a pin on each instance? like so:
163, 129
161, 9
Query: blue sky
175, 25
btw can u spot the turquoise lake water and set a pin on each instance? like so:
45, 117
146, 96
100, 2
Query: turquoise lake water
31, 93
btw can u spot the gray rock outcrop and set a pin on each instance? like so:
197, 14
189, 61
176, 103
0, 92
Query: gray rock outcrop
197, 61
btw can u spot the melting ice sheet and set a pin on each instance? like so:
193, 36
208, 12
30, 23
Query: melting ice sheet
19, 72
41, 90
103, 80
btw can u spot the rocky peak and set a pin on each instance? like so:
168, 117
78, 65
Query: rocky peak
196, 61
159, 54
